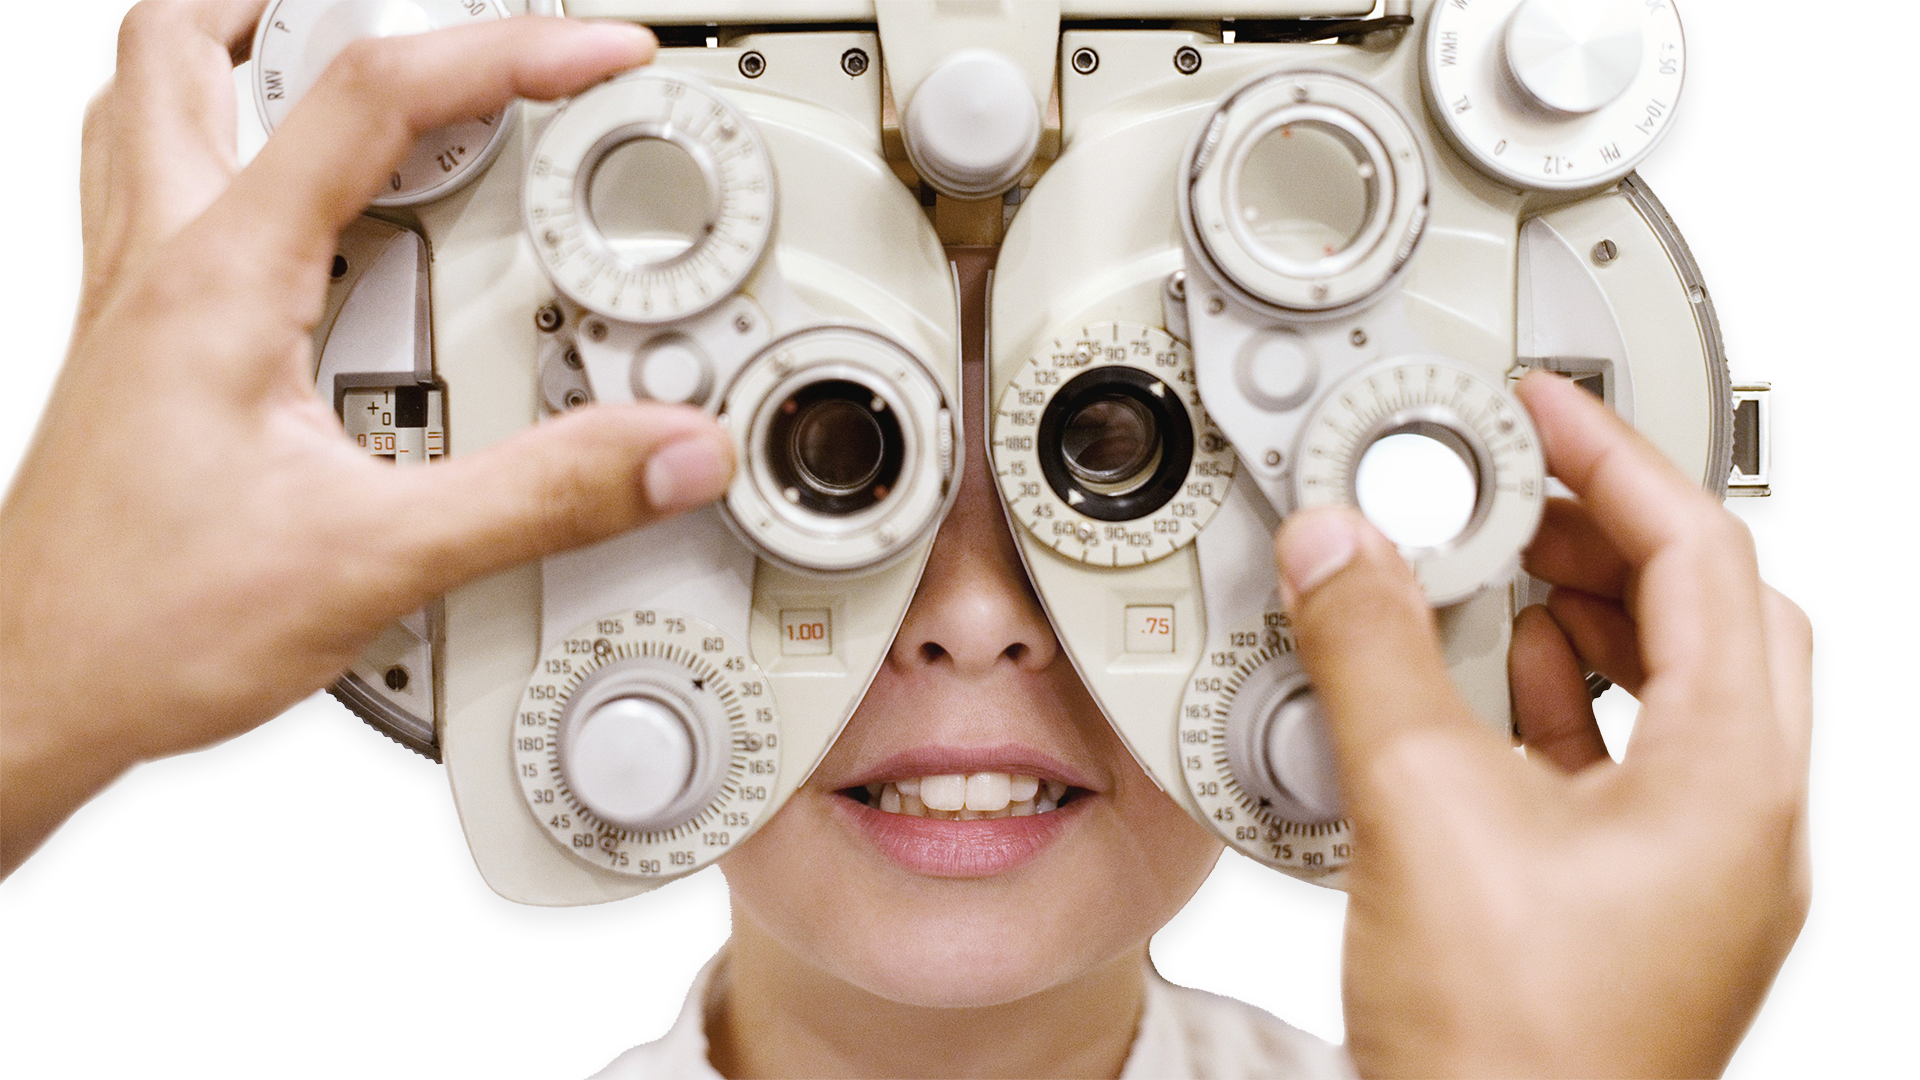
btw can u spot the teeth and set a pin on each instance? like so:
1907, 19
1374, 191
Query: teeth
988, 791
967, 797
944, 792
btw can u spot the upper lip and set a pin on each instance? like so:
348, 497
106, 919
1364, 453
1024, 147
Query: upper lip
950, 760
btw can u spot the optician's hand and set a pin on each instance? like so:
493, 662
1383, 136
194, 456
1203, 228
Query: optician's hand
191, 545
1561, 914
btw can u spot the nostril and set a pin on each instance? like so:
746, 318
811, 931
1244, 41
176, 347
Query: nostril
1017, 651
931, 652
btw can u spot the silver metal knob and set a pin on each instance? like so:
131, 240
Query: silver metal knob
1575, 56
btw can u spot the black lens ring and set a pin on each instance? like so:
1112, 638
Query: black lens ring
1169, 415
792, 476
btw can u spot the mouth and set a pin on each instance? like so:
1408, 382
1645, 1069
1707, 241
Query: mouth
978, 796
965, 814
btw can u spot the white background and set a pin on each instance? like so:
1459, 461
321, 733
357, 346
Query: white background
299, 902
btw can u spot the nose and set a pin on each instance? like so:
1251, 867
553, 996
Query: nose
975, 612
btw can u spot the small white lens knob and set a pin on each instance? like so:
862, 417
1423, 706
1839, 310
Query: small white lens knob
628, 760
973, 127
672, 369
1575, 56
1300, 756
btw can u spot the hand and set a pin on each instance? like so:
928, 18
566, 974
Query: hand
1561, 914
191, 545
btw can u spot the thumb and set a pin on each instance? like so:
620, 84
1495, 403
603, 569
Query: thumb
1366, 639
587, 476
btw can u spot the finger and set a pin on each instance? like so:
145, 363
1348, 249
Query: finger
1695, 595
1640, 501
172, 120
363, 116
1367, 640
1571, 550
96, 159
1790, 666
1551, 705
590, 475
1603, 636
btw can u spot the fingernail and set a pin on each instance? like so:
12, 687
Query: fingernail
1314, 546
687, 473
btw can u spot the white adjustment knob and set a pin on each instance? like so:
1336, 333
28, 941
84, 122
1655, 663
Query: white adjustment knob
973, 127
1300, 756
628, 760
1279, 748
671, 368
1575, 56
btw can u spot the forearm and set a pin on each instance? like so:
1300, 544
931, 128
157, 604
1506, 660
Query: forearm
44, 777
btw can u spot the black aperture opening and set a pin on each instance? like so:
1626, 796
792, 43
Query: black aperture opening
835, 447
409, 406
1115, 443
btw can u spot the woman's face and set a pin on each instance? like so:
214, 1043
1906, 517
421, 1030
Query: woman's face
959, 913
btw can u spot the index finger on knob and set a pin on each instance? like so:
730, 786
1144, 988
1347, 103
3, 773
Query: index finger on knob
1639, 500
363, 116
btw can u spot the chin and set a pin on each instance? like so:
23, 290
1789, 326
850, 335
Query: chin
823, 892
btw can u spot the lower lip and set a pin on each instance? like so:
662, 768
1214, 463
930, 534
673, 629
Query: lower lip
962, 849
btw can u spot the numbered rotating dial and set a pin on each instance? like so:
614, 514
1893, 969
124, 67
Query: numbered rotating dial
649, 198
647, 743
1259, 771
296, 41
1556, 95
1103, 450
1441, 458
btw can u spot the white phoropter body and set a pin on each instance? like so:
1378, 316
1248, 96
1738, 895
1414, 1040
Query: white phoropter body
1260, 275
296, 41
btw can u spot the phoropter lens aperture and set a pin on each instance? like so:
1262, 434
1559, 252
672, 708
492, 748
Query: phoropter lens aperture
1115, 443
1110, 441
835, 447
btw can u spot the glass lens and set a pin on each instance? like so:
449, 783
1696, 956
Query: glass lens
1419, 491
838, 445
1110, 440
1306, 192
650, 200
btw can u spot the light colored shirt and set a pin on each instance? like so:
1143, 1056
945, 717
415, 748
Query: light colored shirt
1184, 1035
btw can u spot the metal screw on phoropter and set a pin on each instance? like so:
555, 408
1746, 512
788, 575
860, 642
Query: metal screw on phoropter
1085, 61
1186, 60
854, 62
1605, 252
753, 65
548, 318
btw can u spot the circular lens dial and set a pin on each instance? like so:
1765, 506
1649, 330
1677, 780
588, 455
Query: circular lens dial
1103, 451
296, 41
1305, 192
650, 198
1555, 95
647, 743
1470, 416
845, 443
1259, 822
